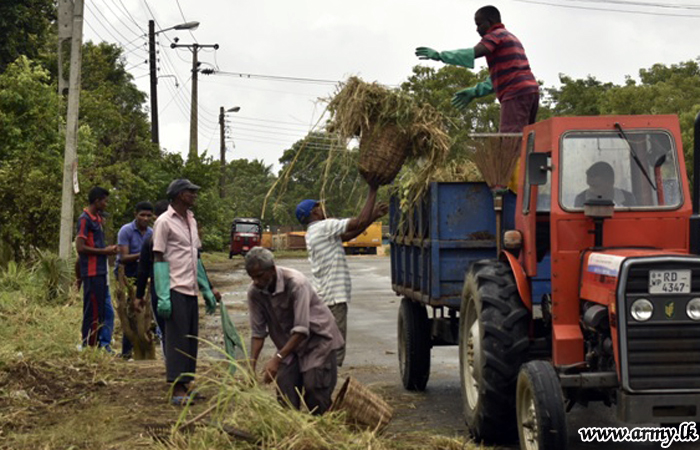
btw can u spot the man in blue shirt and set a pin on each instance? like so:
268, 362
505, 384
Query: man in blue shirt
130, 241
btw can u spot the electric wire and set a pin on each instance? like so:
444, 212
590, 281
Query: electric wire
127, 26
185, 19
253, 88
643, 4
590, 8
108, 29
277, 78
126, 10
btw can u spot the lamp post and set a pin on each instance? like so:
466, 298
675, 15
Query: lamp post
153, 72
222, 135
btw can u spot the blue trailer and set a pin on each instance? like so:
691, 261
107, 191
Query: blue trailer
432, 246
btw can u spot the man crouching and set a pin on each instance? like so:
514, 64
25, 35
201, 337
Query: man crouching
283, 304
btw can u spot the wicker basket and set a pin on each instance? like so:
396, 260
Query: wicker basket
362, 406
382, 153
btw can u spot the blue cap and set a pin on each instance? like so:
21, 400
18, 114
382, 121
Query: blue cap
304, 209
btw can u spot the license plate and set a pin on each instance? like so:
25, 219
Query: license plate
669, 281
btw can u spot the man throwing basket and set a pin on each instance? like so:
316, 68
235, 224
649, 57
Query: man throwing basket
324, 242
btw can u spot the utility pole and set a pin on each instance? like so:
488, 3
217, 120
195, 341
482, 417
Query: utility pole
222, 159
153, 71
154, 80
70, 163
193, 107
222, 136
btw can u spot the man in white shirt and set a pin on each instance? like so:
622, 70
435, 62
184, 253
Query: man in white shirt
324, 242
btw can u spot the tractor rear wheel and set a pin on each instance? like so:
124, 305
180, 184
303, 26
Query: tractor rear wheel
540, 408
414, 345
493, 344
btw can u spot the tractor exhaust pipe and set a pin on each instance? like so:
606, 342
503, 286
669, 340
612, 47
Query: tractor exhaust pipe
695, 218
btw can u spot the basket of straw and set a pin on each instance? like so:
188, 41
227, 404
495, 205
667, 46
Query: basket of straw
391, 127
362, 407
382, 153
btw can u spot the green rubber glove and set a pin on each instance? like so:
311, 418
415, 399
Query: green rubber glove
462, 57
161, 278
462, 98
428, 53
203, 283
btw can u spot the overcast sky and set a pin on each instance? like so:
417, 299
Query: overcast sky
329, 40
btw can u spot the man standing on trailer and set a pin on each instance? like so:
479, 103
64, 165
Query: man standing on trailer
510, 75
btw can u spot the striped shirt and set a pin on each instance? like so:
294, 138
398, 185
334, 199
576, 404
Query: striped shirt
329, 269
509, 68
90, 229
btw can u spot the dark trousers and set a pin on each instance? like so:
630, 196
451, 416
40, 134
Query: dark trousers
518, 112
340, 313
181, 342
159, 320
94, 297
315, 385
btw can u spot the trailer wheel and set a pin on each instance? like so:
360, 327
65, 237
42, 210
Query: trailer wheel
540, 408
414, 345
493, 344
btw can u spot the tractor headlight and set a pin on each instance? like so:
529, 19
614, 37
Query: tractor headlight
693, 309
642, 310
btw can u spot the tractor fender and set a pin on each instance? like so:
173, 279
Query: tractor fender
520, 279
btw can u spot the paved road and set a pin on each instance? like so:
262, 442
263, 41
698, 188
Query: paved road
372, 359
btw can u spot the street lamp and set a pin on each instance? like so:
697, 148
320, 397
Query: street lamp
222, 134
152, 67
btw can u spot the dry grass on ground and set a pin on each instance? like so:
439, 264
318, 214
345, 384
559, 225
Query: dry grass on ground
53, 396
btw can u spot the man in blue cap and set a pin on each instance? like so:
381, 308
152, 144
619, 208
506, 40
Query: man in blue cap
324, 242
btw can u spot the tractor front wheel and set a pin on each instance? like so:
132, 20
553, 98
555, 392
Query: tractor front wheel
540, 408
493, 344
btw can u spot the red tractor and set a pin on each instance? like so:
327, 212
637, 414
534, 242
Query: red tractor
596, 295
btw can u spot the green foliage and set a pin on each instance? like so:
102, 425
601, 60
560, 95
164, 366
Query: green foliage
577, 97
30, 158
53, 275
25, 28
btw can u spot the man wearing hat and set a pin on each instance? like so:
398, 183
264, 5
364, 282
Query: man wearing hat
324, 242
178, 276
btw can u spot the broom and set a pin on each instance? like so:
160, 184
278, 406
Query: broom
496, 155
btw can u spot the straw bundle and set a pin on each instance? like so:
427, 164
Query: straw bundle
362, 406
391, 127
496, 157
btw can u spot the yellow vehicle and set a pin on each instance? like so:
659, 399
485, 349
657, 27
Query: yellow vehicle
367, 242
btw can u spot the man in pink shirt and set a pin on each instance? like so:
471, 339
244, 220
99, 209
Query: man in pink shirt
178, 276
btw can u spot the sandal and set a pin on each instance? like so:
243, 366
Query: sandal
181, 400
